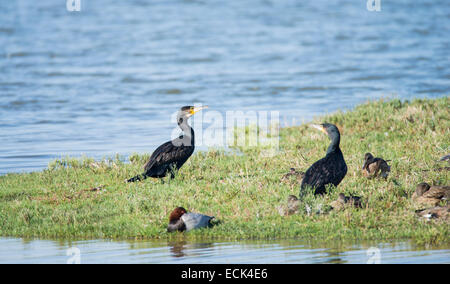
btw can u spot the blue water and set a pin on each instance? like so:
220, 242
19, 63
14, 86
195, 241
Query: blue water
284, 251
106, 80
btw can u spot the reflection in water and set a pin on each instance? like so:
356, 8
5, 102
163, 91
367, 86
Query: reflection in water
183, 251
333, 256
177, 248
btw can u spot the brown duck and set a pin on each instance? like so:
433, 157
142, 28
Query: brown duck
430, 195
293, 174
292, 206
374, 167
346, 201
441, 212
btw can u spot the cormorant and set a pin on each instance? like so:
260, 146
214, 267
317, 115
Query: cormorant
171, 155
329, 170
374, 167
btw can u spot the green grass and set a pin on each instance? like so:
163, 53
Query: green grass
244, 190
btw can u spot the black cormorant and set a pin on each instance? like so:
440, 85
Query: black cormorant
171, 155
329, 170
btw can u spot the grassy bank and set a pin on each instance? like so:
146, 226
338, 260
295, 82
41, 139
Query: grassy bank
244, 190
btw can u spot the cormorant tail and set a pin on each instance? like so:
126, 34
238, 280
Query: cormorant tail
137, 178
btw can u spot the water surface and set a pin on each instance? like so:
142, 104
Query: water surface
107, 79
293, 251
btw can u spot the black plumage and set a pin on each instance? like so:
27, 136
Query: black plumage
329, 170
171, 156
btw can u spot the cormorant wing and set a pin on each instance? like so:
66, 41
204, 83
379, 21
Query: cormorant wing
168, 153
318, 175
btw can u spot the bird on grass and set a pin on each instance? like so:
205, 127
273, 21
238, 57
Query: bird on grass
445, 158
171, 156
374, 167
293, 173
430, 195
292, 206
329, 170
437, 212
180, 220
344, 201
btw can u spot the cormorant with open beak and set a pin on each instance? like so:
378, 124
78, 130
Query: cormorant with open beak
170, 156
329, 170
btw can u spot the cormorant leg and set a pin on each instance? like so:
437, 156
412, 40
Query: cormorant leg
172, 171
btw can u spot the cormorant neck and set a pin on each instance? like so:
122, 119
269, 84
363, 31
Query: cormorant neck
187, 129
335, 140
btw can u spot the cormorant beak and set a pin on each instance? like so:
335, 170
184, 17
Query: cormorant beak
320, 127
196, 109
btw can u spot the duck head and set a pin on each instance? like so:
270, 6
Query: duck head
422, 188
175, 221
368, 157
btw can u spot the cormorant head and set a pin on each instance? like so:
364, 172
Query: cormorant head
187, 111
422, 188
326, 128
176, 214
330, 129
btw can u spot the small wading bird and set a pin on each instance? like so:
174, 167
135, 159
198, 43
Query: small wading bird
374, 167
329, 170
181, 220
170, 156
